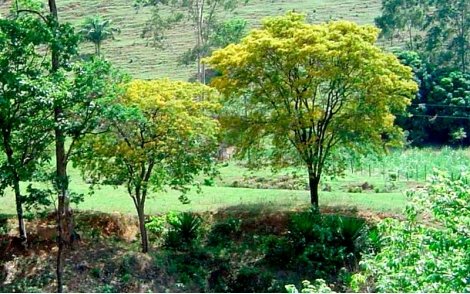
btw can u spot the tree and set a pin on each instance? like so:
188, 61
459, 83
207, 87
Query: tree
202, 15
228, 32
85, 93
96, 30
439, 30
160, 134
448, 38
295, 92
24, 138
439, 114
402, 15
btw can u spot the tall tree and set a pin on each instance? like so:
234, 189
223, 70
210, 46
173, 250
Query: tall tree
439, 30
85, 92
202, 15
96, 30
402, 16
23, 91
160, 134
295, 92
448, 33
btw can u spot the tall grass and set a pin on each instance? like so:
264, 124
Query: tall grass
418, 163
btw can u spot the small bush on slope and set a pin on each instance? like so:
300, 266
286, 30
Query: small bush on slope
430, 250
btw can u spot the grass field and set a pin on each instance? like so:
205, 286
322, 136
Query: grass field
131, 53
387, 176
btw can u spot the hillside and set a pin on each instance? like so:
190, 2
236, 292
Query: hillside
130, 52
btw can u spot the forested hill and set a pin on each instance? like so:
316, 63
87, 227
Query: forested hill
132, 53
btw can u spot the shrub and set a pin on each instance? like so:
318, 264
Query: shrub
323, 244
278, 251
319, 286
184, 230
305, 227
209, 182
347, 231
251, 280
224, 231
423, 256
156, 227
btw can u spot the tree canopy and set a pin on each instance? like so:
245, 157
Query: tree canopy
160, 134
24, 89
294, 92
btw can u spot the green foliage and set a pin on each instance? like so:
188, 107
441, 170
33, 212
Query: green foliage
438, 29
290, 101
224, 231
251, 280
318, 286
184, 231
24, 90
402, 17
440, 112
324, 244
430, 250
156, 225
278, 251
228, 32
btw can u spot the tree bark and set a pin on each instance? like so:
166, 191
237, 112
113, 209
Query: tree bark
19, 213
16, 187
313, 181
143, 230
63, 214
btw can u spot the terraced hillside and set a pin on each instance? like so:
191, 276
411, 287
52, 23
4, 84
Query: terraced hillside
132, 53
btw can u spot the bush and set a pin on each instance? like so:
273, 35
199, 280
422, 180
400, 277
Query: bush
224, 231
418, 256
319, 286
323, 244
278, 251
184, 231
305, 227
156, 228
251, 280
347, 231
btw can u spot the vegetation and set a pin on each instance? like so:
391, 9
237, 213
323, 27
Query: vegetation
309, 90
307, 107
158, 135
24, 139
423, 257
203, 17
96, 30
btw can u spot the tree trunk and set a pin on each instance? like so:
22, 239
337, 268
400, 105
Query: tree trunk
199, 28
19, 212
16, 187
143, 230
313, 181
63, 214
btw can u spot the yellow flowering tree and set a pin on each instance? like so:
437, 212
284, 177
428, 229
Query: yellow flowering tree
296, 92
160, 134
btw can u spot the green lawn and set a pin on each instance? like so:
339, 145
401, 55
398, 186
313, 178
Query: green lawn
410, 168
108, 199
